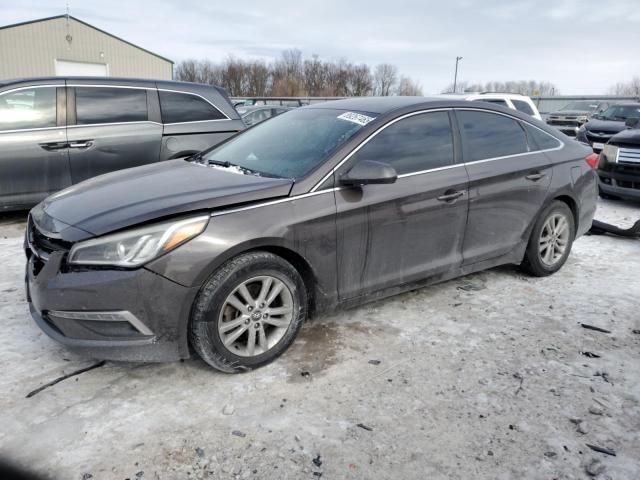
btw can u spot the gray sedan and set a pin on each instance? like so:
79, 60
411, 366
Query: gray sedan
326, 207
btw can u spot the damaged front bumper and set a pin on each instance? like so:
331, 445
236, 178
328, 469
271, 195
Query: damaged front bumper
131, 315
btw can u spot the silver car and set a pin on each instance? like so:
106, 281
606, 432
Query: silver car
56, 132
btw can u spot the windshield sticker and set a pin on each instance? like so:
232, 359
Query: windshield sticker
358, 118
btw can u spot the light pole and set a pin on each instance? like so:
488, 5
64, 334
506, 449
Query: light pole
455, 75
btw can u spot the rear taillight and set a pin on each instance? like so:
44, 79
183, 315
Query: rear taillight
592, 160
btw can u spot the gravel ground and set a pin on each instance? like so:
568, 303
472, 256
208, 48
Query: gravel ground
479, 377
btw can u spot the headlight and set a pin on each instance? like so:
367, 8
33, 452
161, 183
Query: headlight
610, 153
138, 246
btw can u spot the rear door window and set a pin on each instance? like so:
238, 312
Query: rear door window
523, 107
489, 135
28, 108
420, 142
539, 140
183, 107
96, 105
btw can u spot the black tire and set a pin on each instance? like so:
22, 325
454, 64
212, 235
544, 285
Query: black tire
532, 262
203, 330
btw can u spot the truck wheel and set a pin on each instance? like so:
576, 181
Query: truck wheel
551, 240
248, 313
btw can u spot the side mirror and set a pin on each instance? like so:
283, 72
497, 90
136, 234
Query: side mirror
369, 172
632, 122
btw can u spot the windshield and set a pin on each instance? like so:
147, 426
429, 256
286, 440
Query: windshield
621, 112
580, 106
292, 144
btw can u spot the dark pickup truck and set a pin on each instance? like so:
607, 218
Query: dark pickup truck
619, 164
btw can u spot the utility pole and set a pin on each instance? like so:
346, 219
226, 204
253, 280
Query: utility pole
455, 75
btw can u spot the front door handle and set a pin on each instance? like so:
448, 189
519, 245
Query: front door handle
450, 196
51, 146
81, 144
535, 176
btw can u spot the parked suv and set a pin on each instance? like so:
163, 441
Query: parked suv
572, 116
325, 206
619, 165
602, 126
55, 132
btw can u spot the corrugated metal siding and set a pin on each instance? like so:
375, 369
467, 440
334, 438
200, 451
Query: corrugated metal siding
31, 50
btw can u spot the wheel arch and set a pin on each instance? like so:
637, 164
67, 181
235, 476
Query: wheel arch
573, 206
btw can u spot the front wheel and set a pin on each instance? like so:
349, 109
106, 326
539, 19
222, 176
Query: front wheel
248, 313
551, 240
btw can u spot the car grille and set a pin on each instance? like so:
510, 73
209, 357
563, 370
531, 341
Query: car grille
600, 138
41, 245
563, 123
629, 155
627, 184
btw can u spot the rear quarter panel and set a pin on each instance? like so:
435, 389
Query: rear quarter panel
574, 178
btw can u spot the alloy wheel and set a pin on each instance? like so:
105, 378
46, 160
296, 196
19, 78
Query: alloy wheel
255, 316
554, 239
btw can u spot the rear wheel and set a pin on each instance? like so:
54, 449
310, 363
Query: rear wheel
248, 313
551, 240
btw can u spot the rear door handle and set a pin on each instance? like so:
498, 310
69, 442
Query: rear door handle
81, 144
450, 196
534, 177
51, 146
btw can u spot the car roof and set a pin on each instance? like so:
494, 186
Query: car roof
381, 105
146, 82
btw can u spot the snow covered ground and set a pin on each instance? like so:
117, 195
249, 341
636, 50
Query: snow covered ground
479, 377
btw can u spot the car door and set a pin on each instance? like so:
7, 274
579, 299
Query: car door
397, 233
508, 183
111, 129
33, 144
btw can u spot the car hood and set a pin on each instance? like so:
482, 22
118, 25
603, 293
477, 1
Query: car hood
128, 197
630, 136
604, 126
569, 113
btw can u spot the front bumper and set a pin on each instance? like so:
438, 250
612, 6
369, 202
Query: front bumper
620, 185
131, 315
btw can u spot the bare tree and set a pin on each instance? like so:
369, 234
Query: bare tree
524, 87
385, 78
186, 71
407, 87
360, 81
315, 76
628, 89
292, 75
288, 74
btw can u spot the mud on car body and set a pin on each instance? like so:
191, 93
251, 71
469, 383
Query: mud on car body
322, 207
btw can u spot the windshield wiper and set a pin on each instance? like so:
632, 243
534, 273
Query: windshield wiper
227, 164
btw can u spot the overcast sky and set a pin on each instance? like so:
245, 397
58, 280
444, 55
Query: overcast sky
582, 46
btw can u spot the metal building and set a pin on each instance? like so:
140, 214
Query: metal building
64, 45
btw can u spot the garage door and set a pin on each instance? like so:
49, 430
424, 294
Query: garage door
65, 68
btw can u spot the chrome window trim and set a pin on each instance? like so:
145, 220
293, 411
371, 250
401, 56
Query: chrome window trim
29, 87
429, 170
160, 90
98, 85
369, 138
355, 150
202, 121
113, 123
313, 191
197, 95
